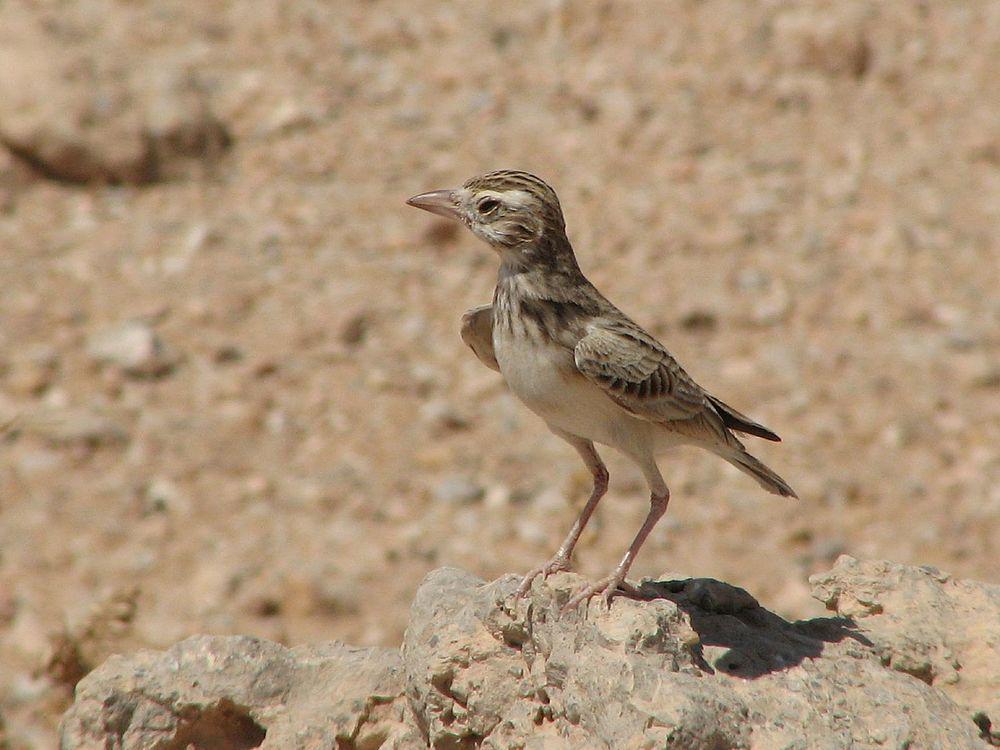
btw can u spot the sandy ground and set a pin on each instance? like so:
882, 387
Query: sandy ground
802, 201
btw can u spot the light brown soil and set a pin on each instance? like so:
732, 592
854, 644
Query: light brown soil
804, 204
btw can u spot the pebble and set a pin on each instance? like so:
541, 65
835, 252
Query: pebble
355, 328
497, 496
443, 416
288, 116
39, 461
699, 320
33, 373
134, 347
458, 490
163, 496
77, 427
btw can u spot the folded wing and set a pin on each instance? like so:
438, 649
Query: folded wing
638, 373
477, 333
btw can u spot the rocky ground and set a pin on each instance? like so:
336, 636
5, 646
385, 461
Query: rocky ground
232, 394
909, 661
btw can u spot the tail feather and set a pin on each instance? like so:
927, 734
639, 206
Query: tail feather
765, 477
734, 420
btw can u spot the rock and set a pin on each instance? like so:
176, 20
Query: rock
485, 670
834, 43
80, 428
32, 373
162, 495
355, 327
923, 622
77, 108
134, 347
697, 665
76, 650
235, 692
442, 416
699, 319
459, 490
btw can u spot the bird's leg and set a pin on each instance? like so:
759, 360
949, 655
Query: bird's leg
615, 583
561, 560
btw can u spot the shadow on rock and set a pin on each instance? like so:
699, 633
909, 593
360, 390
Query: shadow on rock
743, 639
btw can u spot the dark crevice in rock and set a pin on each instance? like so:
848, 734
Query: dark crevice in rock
986, 731
224, 726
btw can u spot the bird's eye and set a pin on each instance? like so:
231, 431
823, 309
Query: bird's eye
488, 205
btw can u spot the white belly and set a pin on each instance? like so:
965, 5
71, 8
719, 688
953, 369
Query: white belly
545, 379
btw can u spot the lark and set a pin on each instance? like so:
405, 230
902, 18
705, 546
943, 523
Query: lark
578, 362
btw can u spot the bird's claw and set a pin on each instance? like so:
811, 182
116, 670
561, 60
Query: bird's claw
608, 588
556, 565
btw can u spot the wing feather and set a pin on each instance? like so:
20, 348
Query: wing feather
638, 373
477, 333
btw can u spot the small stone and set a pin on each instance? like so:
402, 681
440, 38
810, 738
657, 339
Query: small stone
33, 373
443, 416
834, 43
9, 604
163, 496
288, 116
77, 427
699, 320
355, 328
39, 461
752, 280
228, 354
987, 379
459, 490
497, 496
135, 348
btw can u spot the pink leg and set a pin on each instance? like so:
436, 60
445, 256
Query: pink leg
561, 560
610, 585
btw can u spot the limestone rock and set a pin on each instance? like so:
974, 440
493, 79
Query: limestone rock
484, 670
921, 621
134, 347
235, 692
698, 664
76, 427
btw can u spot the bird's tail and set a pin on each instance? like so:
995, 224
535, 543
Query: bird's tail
764, 476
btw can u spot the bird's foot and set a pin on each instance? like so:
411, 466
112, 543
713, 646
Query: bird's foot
557, 564
607, 588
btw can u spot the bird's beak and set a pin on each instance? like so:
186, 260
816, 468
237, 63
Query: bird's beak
440, 202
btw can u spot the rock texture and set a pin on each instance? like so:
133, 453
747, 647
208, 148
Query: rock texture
75, 105
910, 661
239, 692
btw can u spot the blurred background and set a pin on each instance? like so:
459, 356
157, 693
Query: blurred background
234, 392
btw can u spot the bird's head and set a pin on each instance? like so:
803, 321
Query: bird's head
514, 212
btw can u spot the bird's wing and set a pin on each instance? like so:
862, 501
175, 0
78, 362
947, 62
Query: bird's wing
477, 332
638, 373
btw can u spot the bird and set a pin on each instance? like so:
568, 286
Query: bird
588, 370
